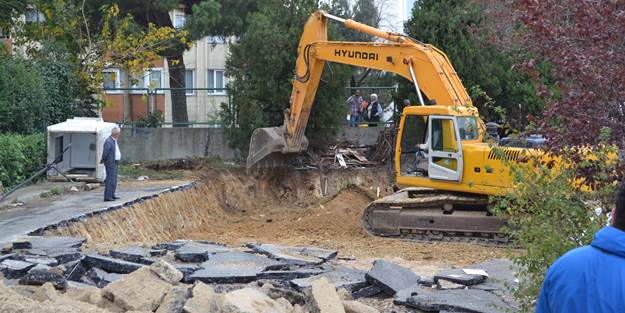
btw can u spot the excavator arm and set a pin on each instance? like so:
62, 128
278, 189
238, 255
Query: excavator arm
415, 61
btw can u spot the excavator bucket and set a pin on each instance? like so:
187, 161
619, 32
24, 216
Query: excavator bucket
267, 148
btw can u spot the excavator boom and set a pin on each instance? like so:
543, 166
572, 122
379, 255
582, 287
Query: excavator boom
406, 57
439, 151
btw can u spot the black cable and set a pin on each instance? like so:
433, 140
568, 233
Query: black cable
306, 76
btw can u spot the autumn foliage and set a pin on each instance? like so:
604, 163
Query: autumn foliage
583, 44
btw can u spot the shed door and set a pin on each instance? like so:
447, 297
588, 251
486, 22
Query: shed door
83, 153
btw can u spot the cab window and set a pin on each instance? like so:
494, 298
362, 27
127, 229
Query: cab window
443, 135
414, 133
467, 127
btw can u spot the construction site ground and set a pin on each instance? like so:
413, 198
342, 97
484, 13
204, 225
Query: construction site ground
230, 206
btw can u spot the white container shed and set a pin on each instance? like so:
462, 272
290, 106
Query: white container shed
86, 136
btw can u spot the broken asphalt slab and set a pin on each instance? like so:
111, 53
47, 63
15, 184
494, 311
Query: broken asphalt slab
132, 254
291, 274
457, 300
48, 243
40, 277
198, 252
15, 269
391, 277
343, 277
70, 208
402, 296
458, 276
174, 245
101, 278
111, 265
502, 275
75, 270
294, 255
234, 267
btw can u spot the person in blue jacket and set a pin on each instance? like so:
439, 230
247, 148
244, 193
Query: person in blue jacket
590, 278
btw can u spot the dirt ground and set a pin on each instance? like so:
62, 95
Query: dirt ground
336, 224
235, 207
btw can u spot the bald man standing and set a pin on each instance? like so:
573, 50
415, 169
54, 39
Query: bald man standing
110, 157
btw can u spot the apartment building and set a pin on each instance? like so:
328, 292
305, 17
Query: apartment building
205, 83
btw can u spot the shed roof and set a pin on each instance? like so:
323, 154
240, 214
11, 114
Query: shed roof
81, 125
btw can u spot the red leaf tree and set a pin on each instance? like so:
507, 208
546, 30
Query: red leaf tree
583, 43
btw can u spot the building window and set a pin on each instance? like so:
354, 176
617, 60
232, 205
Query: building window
215, 40
216, 79
151, 79
154, 79
32, 16
137, 81
111, 80
179, 20
189, 81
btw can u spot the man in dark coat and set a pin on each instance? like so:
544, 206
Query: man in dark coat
110, 157
374, 111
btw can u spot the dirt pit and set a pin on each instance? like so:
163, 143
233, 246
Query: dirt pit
286, 207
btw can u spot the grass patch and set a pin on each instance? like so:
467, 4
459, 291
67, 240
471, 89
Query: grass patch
55, 191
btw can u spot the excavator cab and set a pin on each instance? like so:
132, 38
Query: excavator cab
430, 141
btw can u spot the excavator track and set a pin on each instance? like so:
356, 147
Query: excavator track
431, 215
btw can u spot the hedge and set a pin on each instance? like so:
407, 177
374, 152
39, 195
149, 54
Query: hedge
20, 157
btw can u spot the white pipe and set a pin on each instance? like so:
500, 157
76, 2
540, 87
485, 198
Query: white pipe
416, 85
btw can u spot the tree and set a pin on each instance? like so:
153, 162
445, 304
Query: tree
90, 36
203, 18
22, 96
10, 9
146, 14
582, 41
261, 66
363, 11
455, 27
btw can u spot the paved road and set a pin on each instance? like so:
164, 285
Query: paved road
20, 221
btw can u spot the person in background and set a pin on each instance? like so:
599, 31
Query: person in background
355, 104
406, 102
363, 111
374, 110
590, 278
111, 155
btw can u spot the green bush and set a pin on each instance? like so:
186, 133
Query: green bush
38, 93
20, 157
552, 211
153, 119
22, 97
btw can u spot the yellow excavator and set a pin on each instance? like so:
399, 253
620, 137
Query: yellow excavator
440, 153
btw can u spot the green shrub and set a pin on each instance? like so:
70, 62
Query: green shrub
153, 119
20, 157
550, 212
38, 93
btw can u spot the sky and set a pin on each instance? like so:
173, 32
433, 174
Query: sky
394, 13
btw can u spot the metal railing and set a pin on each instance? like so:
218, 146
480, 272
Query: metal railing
203, 105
